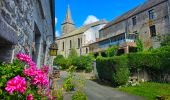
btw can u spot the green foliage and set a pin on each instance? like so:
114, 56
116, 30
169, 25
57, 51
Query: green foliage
113, 69
83, 62
165, 40
72, 53
79, 95
139, 44
112, 51
61, 61
121, 76
8, 71
156, 62
68, 83
149, 90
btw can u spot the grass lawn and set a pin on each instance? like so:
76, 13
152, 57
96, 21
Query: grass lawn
149, 90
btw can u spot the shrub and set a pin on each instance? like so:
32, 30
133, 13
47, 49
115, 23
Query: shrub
79, 95
61, 61
108, 69
68, 82
72, 53
112, 51
23, 80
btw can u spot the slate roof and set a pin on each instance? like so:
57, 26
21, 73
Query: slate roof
83, 29
145, 6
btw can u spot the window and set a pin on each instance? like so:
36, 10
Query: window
70, 44
151, 14
134, 21
63, 46
86, 50
152, 31
78, 42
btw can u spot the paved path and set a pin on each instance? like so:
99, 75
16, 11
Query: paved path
96, 91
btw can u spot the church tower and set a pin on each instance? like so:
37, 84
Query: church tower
68, 24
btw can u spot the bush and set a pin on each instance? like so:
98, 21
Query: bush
68, 82
79, 95
83, 63
112, 51
72, 53
61, 61
8, 71
113, 69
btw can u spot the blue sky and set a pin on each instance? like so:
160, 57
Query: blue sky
89, 10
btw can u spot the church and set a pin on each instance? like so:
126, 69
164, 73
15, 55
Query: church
77, 38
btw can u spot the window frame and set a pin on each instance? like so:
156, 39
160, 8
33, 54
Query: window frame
134, 20
151, 14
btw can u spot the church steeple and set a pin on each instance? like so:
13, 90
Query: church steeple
68, 24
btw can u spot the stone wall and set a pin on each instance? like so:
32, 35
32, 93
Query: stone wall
27, 19
161, 22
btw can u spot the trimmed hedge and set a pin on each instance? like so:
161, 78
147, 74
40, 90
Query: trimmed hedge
113, 69
116, 69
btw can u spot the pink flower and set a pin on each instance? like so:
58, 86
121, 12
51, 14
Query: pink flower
45, 69
23, 56
32, 63
30, 97
40, 79
18, 83
30, 71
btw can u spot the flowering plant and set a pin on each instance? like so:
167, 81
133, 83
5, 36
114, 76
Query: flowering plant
31, 83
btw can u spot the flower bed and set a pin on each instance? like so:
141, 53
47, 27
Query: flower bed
18, 82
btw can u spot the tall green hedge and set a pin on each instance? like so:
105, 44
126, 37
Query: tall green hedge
116, 69
113, 69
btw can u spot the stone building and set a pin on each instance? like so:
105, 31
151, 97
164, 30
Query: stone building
27, 26
149, 20
77, 38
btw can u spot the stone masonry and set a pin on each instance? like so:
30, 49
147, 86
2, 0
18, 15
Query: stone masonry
26, 26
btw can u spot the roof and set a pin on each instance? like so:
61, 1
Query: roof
145, 6
83, 29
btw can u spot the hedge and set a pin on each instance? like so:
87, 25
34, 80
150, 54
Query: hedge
113, 69
116, 69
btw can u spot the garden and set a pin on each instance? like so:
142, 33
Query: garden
23, 80
119, 70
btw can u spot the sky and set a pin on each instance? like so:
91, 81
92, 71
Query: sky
87, 11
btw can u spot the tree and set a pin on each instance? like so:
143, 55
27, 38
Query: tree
112, 51
72, 53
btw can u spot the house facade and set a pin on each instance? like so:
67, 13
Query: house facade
27, 26
149, 21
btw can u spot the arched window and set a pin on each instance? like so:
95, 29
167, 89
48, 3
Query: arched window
70, 44
78, 42
63, 46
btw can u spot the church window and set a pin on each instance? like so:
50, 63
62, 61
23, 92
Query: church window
70, 44
63, 46
78, 42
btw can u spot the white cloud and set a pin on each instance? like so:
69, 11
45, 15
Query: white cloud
57, 34
91, 19
55, 20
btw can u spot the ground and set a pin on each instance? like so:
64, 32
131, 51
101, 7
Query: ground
96, 91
